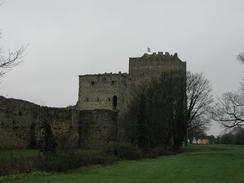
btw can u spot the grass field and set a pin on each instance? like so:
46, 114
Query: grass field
199, 163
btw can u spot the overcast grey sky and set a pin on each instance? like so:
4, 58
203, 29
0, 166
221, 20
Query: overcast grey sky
67, 38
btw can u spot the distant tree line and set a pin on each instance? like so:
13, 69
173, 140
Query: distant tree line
235, 136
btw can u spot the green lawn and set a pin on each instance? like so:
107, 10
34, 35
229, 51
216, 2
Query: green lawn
199, 163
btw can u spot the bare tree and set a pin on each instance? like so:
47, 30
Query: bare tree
199, 100
229, 110
10, 60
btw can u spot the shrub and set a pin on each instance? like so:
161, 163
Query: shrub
128, 151
161, 150
72, 159
9, 140
16, 165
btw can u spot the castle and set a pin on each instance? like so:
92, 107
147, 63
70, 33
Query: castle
111, 91
93, 122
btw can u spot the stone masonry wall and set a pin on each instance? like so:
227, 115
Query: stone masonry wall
142, 69
97, 128
20, 125
17, 119
101, 91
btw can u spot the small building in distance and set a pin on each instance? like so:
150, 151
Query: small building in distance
200, 141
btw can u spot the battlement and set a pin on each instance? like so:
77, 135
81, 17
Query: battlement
153, 65
105, 75
160, 56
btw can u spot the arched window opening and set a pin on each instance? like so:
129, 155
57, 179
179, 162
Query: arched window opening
115, 102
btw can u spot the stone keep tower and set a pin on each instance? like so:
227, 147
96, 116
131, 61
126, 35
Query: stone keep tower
149, 66
112, 91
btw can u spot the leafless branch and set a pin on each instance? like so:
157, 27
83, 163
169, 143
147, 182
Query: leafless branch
229, 110
12, 59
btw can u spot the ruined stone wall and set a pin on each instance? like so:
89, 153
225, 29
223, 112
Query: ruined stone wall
17, 119
97, 128
62, 123
101, 91
20, 123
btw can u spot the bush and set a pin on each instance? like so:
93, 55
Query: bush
16, 165
9, 140
131, 152
161, 150
72, 159
128, 151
